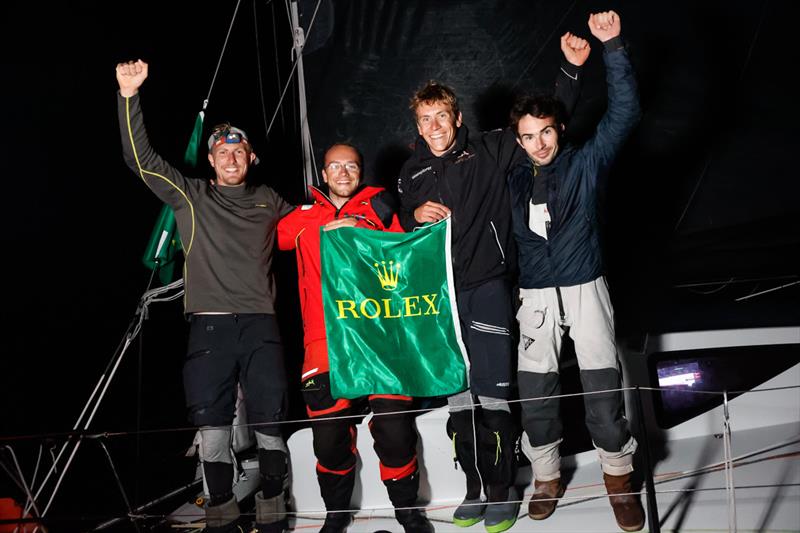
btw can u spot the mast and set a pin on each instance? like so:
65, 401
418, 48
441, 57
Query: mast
305, 134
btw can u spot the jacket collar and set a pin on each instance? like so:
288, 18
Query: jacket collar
321, 194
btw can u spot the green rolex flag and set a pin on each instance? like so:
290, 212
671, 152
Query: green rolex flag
390, 313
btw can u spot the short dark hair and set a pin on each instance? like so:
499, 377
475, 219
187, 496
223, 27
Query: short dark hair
537, 106
434, 92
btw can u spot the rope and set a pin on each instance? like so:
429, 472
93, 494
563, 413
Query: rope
222, 53
291, 73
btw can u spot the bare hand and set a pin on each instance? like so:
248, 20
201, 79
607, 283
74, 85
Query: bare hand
575, 49
347, 222
605, 25
130, 76
431, 212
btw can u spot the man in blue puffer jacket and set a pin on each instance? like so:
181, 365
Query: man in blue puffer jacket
562, 287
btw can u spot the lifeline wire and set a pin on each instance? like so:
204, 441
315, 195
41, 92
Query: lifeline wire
728, 463
358, 416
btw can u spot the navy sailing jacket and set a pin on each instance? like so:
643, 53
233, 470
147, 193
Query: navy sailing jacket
571, 255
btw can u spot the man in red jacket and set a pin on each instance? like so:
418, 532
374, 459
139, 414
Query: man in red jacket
345, 203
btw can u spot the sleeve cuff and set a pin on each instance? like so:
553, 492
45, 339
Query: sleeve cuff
614, 44
569, 69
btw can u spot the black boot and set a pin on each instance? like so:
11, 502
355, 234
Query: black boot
336, 492
460, 431
498, 461
413, 521
403, 495
336, 523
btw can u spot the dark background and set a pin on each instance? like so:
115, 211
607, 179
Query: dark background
701, 209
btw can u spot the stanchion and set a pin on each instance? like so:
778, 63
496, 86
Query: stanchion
653, 522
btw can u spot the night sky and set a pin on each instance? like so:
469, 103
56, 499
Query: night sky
706, 190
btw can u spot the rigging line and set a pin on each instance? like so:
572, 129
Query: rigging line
721, 286
138, 511
222, 53
258, 65
277, 61
119, 484
710, 154
732, 281
538, 54
133, 329
785, 285
21, 481
291, 74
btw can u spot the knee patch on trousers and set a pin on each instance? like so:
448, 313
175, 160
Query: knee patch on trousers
541, 418
604, 411
214, 444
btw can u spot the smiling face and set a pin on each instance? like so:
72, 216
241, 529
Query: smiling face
539, 138
438, 125
342, 172
231, 162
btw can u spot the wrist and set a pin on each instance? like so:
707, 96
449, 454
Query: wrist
614, 43
127, 93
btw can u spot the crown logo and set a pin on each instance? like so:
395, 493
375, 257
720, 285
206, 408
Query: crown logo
388, 276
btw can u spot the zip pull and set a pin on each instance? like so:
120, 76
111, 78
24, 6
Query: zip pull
498, 451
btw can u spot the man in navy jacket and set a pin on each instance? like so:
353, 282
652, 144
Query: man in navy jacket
458, 173
562, 287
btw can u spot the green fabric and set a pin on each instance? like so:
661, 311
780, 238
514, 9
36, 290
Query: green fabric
163, 245
390, 313
165, 242
193, 148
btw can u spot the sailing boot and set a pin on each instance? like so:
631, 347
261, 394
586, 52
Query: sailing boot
271, 499
498, 461
336, 492
502, 510
545, 498
627, 507
224, 518
403, 495
459, 429
270, 514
